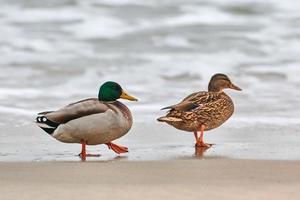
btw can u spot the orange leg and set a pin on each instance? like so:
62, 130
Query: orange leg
83, 150
200, 140
83, 153
117, 148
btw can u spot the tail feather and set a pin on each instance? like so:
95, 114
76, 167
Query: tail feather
48, 130
169, 119
167, 108
46, 124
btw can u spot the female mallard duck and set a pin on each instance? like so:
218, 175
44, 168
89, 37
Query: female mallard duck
203, 110
91, 121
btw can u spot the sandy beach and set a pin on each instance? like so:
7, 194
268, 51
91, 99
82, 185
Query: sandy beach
185, 179
162, 164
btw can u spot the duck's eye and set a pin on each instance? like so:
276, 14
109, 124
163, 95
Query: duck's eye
118, 88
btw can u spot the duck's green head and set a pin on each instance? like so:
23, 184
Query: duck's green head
111, 91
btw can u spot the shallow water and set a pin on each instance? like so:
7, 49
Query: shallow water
60, 51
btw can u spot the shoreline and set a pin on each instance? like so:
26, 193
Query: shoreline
152, 141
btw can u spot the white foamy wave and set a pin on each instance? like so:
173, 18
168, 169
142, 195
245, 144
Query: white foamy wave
172, 41
19, 92
289, 72
40, 15
160, 51
124, 2
17, 111
98, 27
203, 15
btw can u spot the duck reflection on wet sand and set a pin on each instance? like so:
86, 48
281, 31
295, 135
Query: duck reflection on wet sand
199, 151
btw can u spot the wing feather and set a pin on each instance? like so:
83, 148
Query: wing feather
194, 100
77, 110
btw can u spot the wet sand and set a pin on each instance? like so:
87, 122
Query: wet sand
155, 141
178, 179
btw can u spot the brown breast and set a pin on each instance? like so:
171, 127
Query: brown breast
124, 109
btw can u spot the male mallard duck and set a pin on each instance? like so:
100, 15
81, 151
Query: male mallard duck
203, 110
91, 121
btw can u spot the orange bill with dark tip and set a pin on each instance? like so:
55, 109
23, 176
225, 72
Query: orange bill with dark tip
232, 86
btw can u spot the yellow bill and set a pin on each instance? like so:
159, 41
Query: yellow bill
124, 95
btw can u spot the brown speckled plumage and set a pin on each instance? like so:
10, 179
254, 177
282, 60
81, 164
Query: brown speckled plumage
215, 108
210, 109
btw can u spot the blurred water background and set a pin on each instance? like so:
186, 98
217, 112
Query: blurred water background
54, 52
